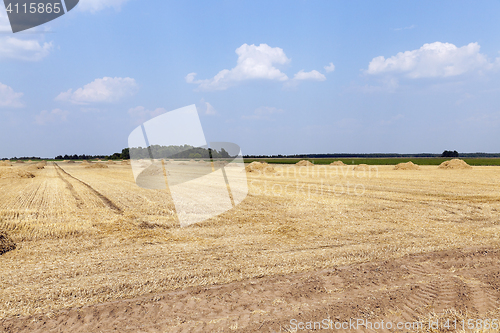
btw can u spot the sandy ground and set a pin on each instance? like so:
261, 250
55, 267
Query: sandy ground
458, 283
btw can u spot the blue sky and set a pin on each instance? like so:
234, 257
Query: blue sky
279, 77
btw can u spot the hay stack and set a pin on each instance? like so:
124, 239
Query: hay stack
111, 162
362, 167
192, 161
40, 165
16, 173
5, 163
454, 164
96, 166
19, 161
305, 163
407, 166
127, 162
6, 244
262, 167
338, 163
71, 162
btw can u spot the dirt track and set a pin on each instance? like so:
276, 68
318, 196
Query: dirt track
405, 289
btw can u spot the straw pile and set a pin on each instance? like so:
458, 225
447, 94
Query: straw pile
407, 166
259, 167
304, 163
6, 244
111, 162
96, 166
361, 167
71, 161
5, 163
454, 164
339, 163
16, 173
19, 161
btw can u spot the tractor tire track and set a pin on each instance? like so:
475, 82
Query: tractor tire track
407, 289
106, 201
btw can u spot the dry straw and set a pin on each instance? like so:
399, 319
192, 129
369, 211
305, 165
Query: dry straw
454, 164
96, 166
259, 167
6, 243
304, 163
407, 166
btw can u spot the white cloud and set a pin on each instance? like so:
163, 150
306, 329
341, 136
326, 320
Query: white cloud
9, 98
330, 67
105, 90
254, 62
20, 49
432, 60
312, 75
53, 116
206, 108
263, 112
97, 5
141, 114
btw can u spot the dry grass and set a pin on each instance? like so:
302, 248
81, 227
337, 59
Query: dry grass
6, 243
74, 249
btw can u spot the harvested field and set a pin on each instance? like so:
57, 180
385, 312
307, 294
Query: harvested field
97, 252
454, 164
406, 166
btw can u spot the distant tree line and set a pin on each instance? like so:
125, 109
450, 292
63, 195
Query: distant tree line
449, 153
185, 151
22, 158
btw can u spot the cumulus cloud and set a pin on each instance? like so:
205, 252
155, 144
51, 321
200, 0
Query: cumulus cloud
97, 5
432, 60
330, 67
206, 108
20, 49
53, 116
312, 75
264, 112
254, 62
10, 98
105, 90
142, 112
